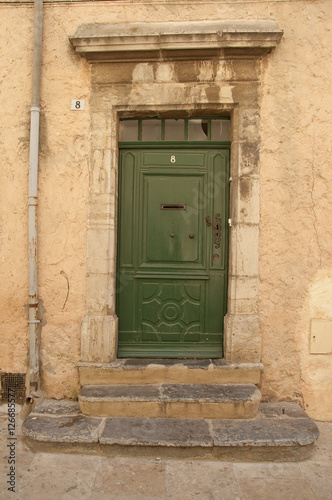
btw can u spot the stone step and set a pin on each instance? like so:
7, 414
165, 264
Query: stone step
170, 401
171, 371
279, 432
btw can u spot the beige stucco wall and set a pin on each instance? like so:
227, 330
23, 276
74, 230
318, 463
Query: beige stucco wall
296, 203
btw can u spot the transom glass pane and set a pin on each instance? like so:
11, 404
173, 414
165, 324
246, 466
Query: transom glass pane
198, 129
174, 130
220, 130
151, 130
128, 130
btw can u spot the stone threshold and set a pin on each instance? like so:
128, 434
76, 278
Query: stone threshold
154, 371
279, 432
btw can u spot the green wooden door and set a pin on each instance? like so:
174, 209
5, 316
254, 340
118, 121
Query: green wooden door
172, 252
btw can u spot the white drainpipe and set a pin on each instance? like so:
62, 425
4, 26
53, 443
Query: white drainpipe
33, 379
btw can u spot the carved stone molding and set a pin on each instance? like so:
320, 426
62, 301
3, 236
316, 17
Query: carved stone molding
175, 41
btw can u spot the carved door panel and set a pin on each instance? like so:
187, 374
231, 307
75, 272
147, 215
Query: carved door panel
172, 252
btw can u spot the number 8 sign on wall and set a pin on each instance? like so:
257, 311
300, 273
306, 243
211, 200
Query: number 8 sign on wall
77, 104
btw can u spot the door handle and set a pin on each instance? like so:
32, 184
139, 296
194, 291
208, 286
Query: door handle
208, 220
191, 236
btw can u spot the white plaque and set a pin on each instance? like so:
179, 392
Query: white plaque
77, 104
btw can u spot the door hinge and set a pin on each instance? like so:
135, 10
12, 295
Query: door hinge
230, 222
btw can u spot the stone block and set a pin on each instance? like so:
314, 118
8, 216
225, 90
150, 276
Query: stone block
244, 238
249, 153
97, 251
153, 432
242, 338
245, 69
171, 401
260, 432
100, 178
248, 200
97, 294
164, 72
186, 481
246, 93
99, 131
270, 436
245, 191
109, 73
243, 306
69, 429
129, 479
99, 338
243, 288
249, 124
55, 407
186, 371
143, 72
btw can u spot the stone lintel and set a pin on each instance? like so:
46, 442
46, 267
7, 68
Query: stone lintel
175, 41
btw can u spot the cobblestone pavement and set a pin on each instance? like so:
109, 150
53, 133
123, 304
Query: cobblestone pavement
47, 476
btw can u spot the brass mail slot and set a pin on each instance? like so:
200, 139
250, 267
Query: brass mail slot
173, 206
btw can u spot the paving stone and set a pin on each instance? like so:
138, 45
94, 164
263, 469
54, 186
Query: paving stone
323, 451
59, 476
288, 471
319, 477
74, 429
202, 480
137, 496
156, 432
274, 489
127, 477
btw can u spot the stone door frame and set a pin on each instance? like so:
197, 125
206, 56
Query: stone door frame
208, 76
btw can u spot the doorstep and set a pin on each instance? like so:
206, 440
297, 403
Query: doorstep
209, 401
171, 371
279, 432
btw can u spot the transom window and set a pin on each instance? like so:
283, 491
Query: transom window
175, 129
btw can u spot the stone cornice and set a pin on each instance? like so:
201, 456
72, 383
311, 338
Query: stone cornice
175, 40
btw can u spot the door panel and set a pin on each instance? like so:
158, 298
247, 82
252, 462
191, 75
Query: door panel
172, 252
165, 225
